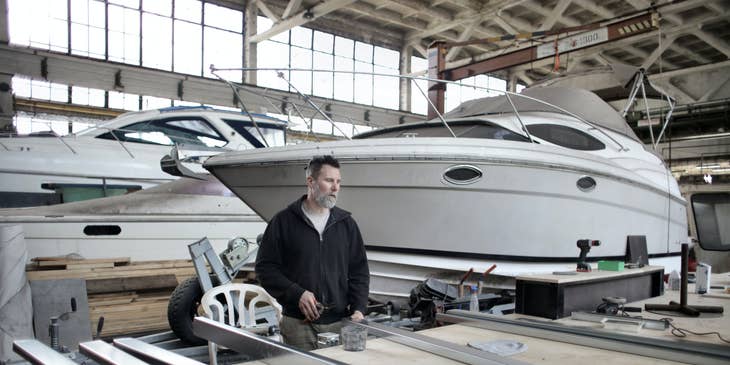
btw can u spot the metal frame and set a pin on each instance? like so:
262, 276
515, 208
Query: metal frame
690, 352
152, 352
38, 353
105, 353
256, 346
435, 346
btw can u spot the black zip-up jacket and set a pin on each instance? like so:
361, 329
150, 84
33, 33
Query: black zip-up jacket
292, 259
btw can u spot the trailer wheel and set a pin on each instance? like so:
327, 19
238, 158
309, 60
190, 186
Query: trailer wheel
183, 307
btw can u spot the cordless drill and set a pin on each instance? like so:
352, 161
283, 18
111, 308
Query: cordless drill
585, 246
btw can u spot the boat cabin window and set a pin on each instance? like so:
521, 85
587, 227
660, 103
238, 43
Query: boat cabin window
566, 137
169, 132
712, 220
274, 134
463, 129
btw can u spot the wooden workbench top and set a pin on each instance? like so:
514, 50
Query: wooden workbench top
541, 351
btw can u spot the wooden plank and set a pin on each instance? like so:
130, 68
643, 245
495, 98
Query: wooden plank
85, 274
131, 283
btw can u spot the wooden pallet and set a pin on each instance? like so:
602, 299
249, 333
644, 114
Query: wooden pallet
131, 296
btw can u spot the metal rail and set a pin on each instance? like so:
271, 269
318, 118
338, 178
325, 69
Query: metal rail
435, 346
255, 346
105, 353
690, 352
39, 354
152, 352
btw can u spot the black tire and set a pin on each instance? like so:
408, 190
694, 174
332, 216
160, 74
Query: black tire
183, 307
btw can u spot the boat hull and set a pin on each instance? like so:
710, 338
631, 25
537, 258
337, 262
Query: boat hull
525, 208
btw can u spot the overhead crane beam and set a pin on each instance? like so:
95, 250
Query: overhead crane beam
595, 36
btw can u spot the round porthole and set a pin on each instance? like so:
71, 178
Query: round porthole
586, 183
462, 174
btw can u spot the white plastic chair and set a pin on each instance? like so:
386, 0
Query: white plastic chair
233, 311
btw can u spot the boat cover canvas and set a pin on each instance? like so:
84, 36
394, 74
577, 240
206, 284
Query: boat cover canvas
580, 102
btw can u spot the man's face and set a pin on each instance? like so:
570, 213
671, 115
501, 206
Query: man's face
325, 187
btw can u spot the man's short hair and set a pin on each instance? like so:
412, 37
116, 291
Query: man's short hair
316, 163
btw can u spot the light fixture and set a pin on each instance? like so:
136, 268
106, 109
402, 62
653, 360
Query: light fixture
308, 14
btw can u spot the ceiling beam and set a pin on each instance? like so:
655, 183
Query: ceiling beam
555, 14
650, 59
690, 70
301, 18
265, 9
465, 35
714, 90
291, 8
713, 41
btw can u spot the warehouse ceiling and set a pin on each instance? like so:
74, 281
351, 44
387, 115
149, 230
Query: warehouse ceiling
691, 38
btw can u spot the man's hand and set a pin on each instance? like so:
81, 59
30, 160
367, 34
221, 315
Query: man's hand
357, 316
308, 306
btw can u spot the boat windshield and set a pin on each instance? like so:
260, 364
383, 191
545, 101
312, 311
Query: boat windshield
191, 131
461, 128
275, 134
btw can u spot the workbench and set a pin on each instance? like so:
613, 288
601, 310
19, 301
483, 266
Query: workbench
542, 351
556, 296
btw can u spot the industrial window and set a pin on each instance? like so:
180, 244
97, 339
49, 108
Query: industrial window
712, 220
566, 137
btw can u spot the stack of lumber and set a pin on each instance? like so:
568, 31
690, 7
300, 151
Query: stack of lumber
131, 296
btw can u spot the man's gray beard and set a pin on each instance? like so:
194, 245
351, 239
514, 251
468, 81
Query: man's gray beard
324, 200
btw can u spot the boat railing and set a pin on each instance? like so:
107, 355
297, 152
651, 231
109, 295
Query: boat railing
508, 94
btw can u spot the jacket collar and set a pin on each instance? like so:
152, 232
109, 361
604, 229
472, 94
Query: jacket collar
336, 213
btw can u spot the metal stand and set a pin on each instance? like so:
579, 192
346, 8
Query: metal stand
682, 306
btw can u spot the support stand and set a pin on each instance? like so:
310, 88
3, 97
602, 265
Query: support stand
682, 306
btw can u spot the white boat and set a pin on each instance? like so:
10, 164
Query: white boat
493, 194
120, 155
152, 224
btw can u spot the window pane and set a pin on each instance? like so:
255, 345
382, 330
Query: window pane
363, 83
161, 7
188, 48
156, 41
386, 57
323, 42
343, 81
151, 102
87, 28
302, 80
301, 37
123, 35
323, 81
189, 10
272, 54
387, 88
363, 52
128, 3
344, 47
224, 50
119, 100
222, 17
21, 86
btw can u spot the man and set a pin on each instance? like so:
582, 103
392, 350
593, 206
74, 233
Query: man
312, 260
